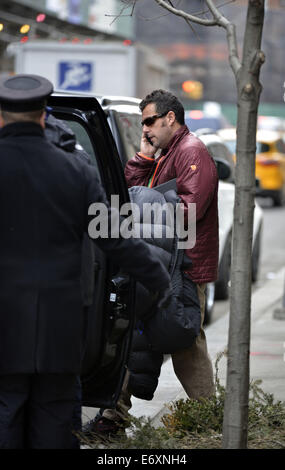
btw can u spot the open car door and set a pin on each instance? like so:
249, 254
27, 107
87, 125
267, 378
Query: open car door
111, 310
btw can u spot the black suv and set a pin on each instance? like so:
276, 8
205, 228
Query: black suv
109, 130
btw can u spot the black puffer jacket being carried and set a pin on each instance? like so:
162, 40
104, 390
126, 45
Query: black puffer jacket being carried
167, 330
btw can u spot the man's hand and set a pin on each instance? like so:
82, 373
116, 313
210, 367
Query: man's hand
147, 148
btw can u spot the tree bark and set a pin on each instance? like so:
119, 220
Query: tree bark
248, 88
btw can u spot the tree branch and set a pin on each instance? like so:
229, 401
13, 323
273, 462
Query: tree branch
231, 35
185, 15
128, 4
202, 12
218, 19
233, 49
159, 16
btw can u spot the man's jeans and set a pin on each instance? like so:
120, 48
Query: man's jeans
193, 366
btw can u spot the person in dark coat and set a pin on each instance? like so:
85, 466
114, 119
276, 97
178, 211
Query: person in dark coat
59, 134
44, 201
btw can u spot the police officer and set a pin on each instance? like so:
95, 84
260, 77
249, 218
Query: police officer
44, 201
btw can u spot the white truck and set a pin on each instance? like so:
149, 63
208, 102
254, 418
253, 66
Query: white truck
101, 68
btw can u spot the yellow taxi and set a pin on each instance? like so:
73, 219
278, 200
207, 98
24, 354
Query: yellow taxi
269, 164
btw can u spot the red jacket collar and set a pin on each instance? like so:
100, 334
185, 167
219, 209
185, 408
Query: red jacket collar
179, 134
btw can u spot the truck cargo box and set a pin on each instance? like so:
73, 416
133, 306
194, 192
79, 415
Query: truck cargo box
110, 68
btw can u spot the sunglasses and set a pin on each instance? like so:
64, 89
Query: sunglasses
149, 121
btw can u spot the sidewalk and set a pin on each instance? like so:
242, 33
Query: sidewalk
267, 354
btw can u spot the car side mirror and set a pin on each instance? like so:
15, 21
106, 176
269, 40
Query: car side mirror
223, 168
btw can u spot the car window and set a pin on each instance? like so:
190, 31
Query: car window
130, 129
218, 150
82, 139
100, 151
261, 147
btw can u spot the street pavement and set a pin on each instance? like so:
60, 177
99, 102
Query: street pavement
267, 353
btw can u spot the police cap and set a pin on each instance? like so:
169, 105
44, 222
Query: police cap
23, 93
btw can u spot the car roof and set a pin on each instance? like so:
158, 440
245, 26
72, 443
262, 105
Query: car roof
274, 123
123, 108
210, 139
261, 135
267, 136
228, 134
104, 100
123, 104
117, 100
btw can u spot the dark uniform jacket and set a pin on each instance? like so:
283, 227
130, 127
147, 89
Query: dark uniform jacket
44, 200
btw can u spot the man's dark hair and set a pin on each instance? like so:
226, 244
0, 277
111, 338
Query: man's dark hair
10, 117
165, 101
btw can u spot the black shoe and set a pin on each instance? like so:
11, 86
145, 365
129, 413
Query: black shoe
101, 426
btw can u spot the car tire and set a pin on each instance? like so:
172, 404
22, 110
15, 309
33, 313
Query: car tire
256, 255
279, 197
209, 302
222, 284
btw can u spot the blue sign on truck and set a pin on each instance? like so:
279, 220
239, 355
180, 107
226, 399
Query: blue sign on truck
75, 75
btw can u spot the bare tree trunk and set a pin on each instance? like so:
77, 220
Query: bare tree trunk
237, 389
248, 92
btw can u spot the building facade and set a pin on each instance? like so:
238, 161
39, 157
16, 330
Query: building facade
201, 54
97, 14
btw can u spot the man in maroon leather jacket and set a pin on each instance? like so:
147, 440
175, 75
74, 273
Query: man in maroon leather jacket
168, 150
184, 157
